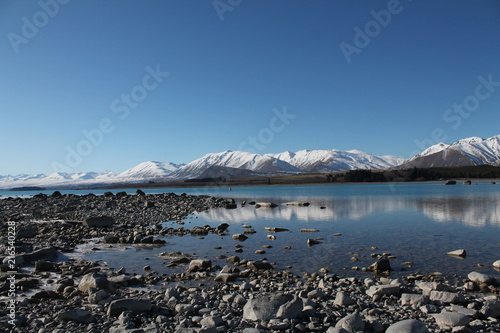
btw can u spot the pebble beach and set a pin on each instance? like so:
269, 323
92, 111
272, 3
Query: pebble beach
44, 291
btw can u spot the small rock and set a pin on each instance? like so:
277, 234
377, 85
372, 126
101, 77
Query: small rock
239, 237
458, 253
343, 299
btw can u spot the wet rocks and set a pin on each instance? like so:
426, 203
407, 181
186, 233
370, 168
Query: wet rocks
200, 265
381, 265
239, 237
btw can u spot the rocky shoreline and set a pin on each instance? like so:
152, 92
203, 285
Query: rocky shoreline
243, 296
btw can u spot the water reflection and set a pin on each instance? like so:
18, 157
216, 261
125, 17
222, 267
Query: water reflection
470, 211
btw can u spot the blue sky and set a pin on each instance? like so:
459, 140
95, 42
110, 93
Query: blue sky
173, 80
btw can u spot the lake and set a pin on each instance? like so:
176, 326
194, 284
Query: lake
415, 222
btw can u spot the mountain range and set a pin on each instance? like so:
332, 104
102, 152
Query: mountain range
465, 152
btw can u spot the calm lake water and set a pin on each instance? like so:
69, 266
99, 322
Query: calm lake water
417, 223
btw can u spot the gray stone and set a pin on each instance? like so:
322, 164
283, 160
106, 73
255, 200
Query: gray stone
408, 326
496, 264
41, 254
78, 315
480, 278
129, 304
93, 280
184, 309
263, 308
446, 297
290, 310
381, 290
212, 321
427, 287
239, 237
99, 222
259, 264
200, 264
332, 329
382, 265
415, 300
463, 310
458, 253
491, 308
447, 320
343, 299
351, 323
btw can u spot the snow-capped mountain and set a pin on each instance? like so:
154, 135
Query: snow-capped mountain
234, 159
149, 170
336, 160
466, 152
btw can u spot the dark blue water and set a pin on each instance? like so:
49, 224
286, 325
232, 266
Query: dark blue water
416, 223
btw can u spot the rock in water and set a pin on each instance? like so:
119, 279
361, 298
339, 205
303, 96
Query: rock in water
382, 265
99, 222
240, 237
408, 326
458, 253
496, 264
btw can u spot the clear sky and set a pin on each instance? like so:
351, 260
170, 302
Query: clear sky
105, 85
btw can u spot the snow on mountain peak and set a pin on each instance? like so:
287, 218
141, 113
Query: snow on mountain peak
473, 139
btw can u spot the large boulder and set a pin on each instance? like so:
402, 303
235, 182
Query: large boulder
263, 308
99, 222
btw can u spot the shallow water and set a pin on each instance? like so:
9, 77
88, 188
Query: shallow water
417, 223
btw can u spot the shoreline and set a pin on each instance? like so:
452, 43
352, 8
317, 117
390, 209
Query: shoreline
205, 296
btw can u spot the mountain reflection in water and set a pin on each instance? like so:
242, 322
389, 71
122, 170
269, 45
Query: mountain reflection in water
469, 211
